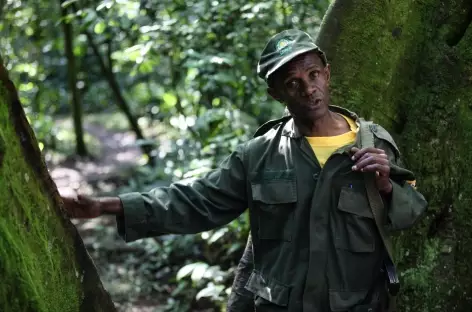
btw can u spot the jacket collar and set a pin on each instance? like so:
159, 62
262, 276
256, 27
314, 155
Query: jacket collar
291, 130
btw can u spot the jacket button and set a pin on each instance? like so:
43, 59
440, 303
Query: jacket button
315, 176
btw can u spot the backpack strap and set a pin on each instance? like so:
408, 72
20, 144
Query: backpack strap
376, 203
375, 200
269, 125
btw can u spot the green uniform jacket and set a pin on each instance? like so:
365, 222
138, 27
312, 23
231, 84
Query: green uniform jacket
316, 246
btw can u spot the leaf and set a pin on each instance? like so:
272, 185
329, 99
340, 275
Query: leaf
99, 28
169, 99
214, 273
65, 4
217, 235
106, 3
89, 16
198, 267
211, 290
199, 271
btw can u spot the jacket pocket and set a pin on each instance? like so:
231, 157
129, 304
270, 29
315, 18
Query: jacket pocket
355, 262
275, 201
268, 292
355, 228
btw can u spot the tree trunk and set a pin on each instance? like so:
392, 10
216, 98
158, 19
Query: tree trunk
120, 99
44, 266
81, 150
408, 66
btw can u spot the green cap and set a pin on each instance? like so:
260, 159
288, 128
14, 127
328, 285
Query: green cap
282, 48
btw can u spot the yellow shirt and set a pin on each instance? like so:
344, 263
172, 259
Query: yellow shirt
323, 147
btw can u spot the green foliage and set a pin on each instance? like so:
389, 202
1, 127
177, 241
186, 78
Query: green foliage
171, 58
419, 277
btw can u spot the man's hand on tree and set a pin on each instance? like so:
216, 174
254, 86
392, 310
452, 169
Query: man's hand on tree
374, 160
83, 207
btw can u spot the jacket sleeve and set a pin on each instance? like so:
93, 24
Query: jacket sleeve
206, 203
241, 299
406, 205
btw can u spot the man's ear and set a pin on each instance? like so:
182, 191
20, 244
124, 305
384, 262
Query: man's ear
274, 94
328, 72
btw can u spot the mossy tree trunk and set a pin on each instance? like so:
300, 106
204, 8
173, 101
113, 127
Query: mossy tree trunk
44, 266
408, 66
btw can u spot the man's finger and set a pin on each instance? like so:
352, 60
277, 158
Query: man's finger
369, 160
84, 200
380, 170
358, 153
368, 155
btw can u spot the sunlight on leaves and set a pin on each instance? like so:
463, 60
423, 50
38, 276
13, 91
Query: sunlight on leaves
217, 235
211, 290
99, 28
169, 100
105, 4
195, 270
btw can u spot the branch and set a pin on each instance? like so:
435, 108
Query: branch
330, 26
284, 13
81, 149
178, 104
109, 52
120, 100
129, 36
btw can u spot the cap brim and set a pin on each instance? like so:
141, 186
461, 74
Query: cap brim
288, 58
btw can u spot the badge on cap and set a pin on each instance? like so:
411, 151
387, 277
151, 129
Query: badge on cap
283, 46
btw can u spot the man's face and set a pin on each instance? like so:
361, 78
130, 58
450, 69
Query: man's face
303, 85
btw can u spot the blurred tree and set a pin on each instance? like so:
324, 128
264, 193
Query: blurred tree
75, 97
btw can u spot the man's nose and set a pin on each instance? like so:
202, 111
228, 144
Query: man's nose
308, 89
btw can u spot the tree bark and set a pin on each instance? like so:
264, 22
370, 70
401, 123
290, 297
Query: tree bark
80, 147
408, 66
44, 265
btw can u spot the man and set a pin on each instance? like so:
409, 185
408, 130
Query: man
316, 246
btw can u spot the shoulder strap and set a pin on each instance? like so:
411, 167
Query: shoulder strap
375, 200
268, 125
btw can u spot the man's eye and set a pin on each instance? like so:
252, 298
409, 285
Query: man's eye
292, 84
314, 74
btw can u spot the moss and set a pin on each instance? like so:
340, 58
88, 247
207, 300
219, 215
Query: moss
421, 279
37, 263
371, 41
461, 158
433, 141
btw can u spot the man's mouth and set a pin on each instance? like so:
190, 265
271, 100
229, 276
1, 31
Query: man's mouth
314, 104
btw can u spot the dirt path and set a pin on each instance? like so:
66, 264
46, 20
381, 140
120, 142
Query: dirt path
89, 176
